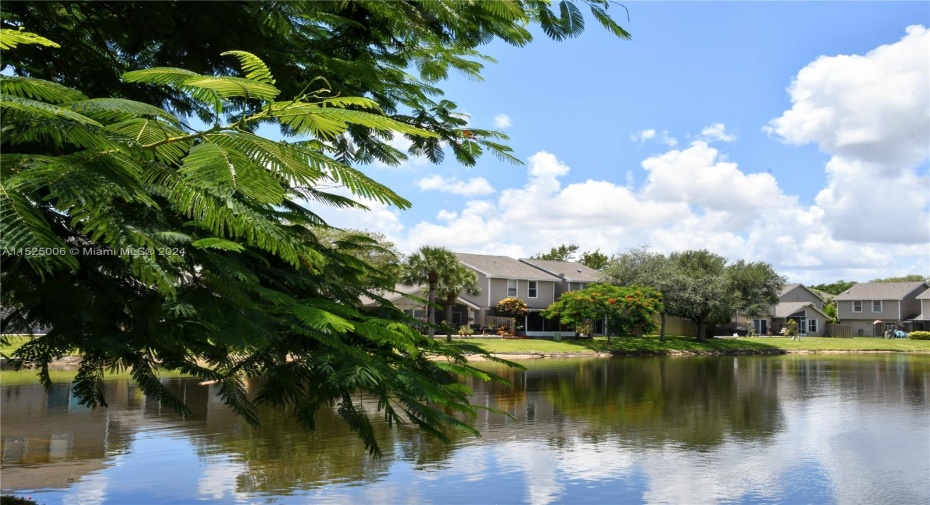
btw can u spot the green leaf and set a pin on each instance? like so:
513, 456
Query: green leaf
218, 243
38, 89
255, 68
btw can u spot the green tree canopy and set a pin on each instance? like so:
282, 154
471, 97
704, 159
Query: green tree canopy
427, 266
562, 252
627, 310
834, 288
394, 53
904, 278
148, 245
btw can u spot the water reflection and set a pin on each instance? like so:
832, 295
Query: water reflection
848, 429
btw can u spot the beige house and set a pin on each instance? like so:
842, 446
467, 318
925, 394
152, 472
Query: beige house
872, 308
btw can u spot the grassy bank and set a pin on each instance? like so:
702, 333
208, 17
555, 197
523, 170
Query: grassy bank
677, 344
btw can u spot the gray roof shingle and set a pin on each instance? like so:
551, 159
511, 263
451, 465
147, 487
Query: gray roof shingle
880, 291
503, 267
573, 271
785, 309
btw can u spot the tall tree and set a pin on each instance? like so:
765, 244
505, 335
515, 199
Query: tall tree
427, 266
755, 287
199, 248
705, 296
453, 282
642, 267
146, 244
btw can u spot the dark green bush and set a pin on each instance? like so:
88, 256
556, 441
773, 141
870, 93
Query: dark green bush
919, 335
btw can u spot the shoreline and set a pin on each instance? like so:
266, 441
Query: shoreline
71, 363
531, 355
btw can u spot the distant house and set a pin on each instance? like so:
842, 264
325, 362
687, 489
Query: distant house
872, 308
502, 277
795, 302
572, 276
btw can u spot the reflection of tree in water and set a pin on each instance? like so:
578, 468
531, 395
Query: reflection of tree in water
280, 456
690, 401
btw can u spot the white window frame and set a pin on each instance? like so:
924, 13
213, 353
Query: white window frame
514, 281
879, 302
854, 305
532, 289
811, 326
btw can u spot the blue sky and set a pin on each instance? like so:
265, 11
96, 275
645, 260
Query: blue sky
789, 132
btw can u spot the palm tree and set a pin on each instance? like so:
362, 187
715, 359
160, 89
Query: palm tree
454, 281
425, 266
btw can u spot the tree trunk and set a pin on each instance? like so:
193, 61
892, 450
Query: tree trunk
700, 335
431, 331
662, 331
449, 302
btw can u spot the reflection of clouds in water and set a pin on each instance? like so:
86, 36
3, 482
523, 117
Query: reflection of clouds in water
538, 464
90, 490
218, 480
592, 461
863, 465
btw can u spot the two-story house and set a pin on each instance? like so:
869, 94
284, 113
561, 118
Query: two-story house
502, 277
872, 308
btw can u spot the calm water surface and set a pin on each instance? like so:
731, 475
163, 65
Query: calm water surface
787, 429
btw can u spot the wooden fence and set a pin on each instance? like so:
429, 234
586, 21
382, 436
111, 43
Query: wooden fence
838, 331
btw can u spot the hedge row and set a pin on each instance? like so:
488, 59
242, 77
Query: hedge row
919, 335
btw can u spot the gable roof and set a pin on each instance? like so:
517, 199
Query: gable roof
925, 295
785, 309
503, 267
793, 285
572, 271
880, 291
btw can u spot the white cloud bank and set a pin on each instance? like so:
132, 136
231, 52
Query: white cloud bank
869, 112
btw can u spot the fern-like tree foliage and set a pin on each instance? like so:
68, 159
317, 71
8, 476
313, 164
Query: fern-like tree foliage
395, 53
147, 245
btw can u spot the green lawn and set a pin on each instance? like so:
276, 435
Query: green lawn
652, 345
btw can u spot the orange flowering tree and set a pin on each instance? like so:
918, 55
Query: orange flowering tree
627, 310
513, 308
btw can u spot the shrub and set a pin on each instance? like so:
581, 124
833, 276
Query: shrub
466, 330
919, 335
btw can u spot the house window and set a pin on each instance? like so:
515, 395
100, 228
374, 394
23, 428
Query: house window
532, 289
811, 326
511, 287
876, 305
857, 306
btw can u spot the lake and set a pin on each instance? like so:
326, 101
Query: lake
738, 429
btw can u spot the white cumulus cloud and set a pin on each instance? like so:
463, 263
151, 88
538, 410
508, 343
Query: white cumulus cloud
870, 112
502, 121
717, 131
472, 187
